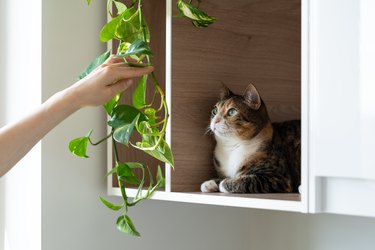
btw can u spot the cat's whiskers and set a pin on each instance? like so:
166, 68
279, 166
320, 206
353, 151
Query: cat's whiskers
208, 131
223, 130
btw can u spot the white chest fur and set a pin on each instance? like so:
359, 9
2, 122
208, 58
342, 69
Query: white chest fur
233, 153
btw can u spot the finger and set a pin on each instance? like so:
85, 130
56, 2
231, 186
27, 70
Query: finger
120, 64
131, 72
126, 64
112, 59
121, 85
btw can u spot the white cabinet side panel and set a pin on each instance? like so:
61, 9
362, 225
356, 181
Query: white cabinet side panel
342, 110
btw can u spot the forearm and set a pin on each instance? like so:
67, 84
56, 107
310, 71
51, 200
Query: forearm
97, 88
18, 138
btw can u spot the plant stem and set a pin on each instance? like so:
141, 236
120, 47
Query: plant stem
97, 143
152, 101
109, 8
115, 149
120, 183
158, 123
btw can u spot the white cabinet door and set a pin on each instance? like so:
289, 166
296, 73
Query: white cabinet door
342, 106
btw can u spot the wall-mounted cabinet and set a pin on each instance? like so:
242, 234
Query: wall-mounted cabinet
291, 51
253, 42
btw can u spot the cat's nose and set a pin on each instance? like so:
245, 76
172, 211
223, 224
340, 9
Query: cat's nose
217, 120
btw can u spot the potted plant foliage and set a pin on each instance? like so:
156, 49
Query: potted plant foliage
129, 27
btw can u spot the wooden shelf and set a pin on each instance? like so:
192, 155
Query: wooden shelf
284, 202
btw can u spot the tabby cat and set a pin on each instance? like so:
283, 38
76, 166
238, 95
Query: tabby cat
253, 155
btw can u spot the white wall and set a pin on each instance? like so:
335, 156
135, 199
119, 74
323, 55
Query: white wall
72, 215
2, 62
2, 118
20, 93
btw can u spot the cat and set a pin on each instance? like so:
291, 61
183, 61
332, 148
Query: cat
253, 155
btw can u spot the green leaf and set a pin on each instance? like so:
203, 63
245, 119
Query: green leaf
139, 94
123, 170
201, 23
135, 165
167, 152
138, 47
111, 104
78, 146
108, 31
123, 115
150, 136
123, 47
130, 28
112, 171
125, 173
151, 115
162, 153
88, 2
110, 205
146, 130
120, 7
95, 63
160, 178
142, 145
122, 134
198, 17
125, 225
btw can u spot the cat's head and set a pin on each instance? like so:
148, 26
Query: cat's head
239, 116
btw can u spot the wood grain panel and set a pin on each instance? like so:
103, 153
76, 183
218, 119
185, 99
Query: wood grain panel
155, 12
253, 41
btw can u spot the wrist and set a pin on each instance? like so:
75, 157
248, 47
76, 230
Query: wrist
65, 101
72, 98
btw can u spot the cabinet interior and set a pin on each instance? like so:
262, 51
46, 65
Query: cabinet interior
256, 42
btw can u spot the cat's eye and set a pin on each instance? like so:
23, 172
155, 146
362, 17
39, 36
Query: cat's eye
214, 111
232, 112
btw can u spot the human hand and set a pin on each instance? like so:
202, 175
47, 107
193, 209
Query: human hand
110, 78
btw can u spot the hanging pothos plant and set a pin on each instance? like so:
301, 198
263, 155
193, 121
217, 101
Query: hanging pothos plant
130, 28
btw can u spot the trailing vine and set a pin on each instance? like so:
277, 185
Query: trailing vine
129, 27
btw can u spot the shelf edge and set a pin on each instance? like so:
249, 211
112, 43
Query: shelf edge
198, 198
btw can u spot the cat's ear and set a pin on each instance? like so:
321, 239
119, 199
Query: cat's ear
225, 92
252, 97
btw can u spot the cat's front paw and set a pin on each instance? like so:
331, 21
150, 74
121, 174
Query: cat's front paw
223, 187
209, 187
